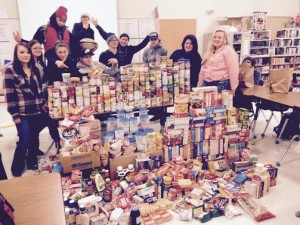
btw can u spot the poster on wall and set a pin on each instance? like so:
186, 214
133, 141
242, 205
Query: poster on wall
4, 30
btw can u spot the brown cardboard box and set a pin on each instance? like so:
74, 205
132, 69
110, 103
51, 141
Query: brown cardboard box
80, 161
124, 160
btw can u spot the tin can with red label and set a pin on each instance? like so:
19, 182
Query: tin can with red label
71, 91
50, 91
56, 93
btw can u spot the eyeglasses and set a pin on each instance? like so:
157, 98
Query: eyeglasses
114, 40
153, 39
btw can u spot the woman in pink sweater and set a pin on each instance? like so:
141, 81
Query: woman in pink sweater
220, 66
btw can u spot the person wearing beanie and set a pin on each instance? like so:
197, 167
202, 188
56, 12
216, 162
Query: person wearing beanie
82, 30
220, 65
55, 30
189, 51
155, 50
110, 56
125, 51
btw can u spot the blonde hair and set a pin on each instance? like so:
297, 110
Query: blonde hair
211, 48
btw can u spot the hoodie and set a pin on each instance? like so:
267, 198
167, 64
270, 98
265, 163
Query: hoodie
151, 53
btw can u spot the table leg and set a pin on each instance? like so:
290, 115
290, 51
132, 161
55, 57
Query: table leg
253, 136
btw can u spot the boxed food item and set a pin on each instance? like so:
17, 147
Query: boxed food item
125, 160
85, 160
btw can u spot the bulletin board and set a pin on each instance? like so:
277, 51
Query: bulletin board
172, 32
137, 29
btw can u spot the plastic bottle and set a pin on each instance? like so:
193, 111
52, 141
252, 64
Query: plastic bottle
77, 218
99, 182
135, 215
107, 192
71, 220
84, 217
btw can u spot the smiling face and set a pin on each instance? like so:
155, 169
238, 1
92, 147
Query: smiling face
87, 60
154, 41
219, 39
113, 43
124, 41
23, 54
188, 45
60, 22
36, 50
62, 53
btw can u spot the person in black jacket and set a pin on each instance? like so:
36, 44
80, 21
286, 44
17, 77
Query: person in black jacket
110, 56
189, 51
125, 51
63, 63
82, 30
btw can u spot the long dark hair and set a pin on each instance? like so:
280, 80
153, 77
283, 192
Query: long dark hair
17, 65
193, 40
40, 59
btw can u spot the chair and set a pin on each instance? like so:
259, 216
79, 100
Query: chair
296, 113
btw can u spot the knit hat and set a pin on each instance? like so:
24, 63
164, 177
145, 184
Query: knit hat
61, 13
84, 52
110, 37
124, 35
84, 14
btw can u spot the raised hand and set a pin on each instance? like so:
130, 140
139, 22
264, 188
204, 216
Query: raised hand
17, 36
94, 21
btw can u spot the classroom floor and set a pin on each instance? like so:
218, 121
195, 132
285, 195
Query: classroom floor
283, 200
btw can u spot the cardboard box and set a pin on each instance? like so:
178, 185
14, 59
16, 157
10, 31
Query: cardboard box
124, 160
80, 161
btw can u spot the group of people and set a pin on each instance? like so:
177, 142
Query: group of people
28, 76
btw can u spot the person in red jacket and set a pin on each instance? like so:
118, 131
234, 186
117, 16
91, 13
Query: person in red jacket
55, 30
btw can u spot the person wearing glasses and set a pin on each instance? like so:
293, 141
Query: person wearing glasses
110, 56
155, 50
125, 51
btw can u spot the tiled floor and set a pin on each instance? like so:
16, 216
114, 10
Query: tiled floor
282, 200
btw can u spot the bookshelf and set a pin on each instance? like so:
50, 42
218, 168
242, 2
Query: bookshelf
287, 49
256, 43
236, 40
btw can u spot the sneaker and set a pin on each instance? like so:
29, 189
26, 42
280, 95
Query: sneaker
40, 153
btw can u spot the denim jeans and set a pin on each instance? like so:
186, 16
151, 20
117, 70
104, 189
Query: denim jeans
221, 85
28, 143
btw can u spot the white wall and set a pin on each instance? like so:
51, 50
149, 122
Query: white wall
187, 9
198, 9
107, 16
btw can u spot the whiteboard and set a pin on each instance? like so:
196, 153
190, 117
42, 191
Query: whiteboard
34, 13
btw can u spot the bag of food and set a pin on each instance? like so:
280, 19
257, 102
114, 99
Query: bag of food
281, 79
246, 74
